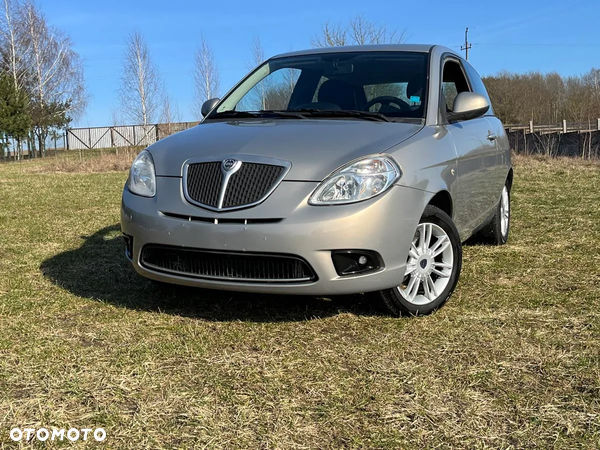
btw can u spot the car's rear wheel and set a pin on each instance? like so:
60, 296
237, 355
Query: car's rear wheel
432, 270
496, 233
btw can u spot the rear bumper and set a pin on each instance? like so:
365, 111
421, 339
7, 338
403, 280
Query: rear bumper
385, 225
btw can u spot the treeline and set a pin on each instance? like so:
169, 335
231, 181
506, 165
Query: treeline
41, 78
545, 98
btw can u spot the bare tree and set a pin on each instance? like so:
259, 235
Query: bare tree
258, 53
331, 36
545, 98
359, 31
13, 42
140, 90
56, 83
13, 48
260, 92
206, 75
117, 118
170, 114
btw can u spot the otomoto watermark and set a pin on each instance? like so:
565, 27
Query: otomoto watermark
55, 434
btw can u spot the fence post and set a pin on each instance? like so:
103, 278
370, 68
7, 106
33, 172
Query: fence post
531, 126
564, 126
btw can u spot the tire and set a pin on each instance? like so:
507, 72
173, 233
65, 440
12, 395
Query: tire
433, 272
496, 233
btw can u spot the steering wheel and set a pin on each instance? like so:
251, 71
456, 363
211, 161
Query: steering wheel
385, 101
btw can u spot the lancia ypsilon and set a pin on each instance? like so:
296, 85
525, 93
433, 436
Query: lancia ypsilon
326, 172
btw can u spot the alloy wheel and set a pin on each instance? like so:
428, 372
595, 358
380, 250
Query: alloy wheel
504, 211
429, 266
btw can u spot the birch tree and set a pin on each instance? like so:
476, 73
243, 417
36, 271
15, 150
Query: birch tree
206, 76
13, 42
55, 81
14, 48
264, 86
169, 115
140, 91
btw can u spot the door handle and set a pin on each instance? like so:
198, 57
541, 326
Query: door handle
492, 136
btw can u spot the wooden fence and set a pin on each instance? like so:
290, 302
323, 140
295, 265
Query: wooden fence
564, 139
121, 136
563, 127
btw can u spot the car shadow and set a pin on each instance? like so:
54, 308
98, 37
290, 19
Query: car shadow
477, 240
98, 270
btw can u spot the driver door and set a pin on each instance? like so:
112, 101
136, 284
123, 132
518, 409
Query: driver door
474, 190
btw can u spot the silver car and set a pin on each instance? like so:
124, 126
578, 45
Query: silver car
326, 172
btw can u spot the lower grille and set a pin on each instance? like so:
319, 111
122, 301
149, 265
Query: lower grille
226, 266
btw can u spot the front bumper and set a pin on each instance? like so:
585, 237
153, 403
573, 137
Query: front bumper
385, 224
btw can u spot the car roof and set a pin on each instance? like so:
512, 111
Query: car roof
424, 48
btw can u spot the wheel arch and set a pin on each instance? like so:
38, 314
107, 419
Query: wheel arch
443, 201
509, 179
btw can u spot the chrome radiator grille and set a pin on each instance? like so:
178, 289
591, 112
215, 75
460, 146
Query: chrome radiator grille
204, 183
208, 184
250, 184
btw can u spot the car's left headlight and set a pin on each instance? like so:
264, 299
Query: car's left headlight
357, 181
142, 176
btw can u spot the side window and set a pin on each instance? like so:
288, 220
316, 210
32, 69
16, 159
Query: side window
453, 83
477, 84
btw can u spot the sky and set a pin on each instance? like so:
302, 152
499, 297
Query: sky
518, 36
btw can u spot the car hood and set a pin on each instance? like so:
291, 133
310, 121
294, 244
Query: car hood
315, 148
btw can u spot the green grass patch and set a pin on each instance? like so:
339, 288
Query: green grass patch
512, 361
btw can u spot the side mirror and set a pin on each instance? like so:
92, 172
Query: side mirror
208, 106
468, 105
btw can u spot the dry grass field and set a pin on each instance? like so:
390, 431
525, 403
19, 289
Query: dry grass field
512, 361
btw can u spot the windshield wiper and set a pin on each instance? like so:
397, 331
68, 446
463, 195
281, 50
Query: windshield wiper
283, 113
302, 113
257, 114
366, 115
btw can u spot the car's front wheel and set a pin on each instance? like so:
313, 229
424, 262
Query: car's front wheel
432, 269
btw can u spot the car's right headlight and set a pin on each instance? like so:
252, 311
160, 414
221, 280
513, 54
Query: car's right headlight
142, 176
357, 181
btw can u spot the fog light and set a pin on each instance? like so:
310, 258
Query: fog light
128, 246
354, 262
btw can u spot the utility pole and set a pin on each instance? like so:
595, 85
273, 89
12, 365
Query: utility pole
467, 45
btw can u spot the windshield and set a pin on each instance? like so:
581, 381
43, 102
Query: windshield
388, 85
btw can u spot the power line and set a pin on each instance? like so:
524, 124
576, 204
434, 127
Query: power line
534, 44
467, 45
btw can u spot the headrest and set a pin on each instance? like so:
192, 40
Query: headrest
338, 92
